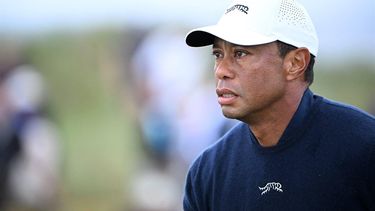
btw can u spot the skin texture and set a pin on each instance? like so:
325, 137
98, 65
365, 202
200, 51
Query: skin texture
255, 85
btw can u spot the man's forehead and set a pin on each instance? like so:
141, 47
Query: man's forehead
218, 42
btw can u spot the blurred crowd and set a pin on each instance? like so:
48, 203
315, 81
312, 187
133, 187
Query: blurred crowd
175, 113
29, 157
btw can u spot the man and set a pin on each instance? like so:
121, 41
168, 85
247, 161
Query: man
293, 150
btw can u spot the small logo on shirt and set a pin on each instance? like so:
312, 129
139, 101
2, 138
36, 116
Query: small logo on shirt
271, 186
239, 7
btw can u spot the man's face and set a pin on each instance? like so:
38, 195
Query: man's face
250, 80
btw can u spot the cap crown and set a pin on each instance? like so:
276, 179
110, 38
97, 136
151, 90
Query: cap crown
252, 22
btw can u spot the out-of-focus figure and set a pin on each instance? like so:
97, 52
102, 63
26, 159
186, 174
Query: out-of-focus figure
163, 81
169, 78
9, 142
31, 179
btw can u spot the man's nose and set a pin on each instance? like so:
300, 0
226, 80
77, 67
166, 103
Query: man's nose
224, 69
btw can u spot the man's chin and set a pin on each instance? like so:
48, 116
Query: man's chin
230, 114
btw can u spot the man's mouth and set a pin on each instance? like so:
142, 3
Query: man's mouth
226, 96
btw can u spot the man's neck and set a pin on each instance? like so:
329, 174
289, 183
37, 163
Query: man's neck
270, 127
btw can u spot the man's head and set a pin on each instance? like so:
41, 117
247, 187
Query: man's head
264, 53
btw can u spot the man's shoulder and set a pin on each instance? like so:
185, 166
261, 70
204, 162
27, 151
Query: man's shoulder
342, 111
228, 144
349, 120
231, 139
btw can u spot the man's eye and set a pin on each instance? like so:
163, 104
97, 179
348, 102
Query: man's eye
239, 54
216, 54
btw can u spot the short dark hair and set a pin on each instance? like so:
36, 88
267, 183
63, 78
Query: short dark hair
285, 48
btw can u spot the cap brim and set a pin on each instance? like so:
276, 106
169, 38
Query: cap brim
206, 36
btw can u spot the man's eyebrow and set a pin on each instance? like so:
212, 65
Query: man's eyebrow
215, 45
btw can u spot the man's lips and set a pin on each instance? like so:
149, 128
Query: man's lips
226, 96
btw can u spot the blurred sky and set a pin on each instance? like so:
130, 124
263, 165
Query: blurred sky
345, 27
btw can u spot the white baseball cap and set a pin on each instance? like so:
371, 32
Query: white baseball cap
254, 22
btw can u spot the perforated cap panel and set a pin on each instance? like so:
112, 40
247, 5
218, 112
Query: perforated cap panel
292, 14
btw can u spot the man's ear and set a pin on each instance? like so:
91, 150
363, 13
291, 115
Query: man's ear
296, 63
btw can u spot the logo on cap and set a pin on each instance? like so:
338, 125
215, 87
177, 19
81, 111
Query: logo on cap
239, 7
